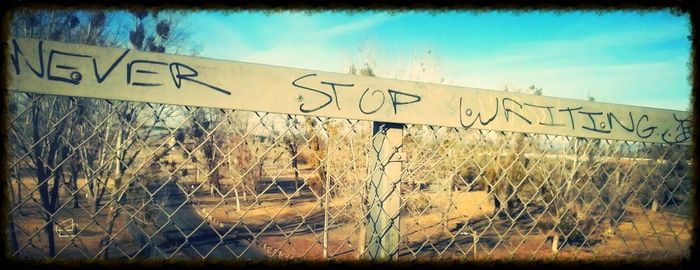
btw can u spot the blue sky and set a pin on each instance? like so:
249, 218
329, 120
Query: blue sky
620, 57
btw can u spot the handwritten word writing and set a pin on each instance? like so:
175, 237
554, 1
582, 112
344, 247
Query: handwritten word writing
512, 111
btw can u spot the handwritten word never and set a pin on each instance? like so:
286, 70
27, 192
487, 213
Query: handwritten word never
64, 67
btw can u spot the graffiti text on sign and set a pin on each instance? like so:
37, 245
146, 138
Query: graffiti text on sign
574, 117
682, 131
369, 102
62, 66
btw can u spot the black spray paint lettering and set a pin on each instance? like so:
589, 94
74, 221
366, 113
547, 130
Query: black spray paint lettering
549, 113
99, 78
593, 126
335, 93
571, 115
14, 59
682, 131
507, 111
649, 130
61, 67
597, 121
395, 101
397, 97
612, 116
75, 76
72, 76
147, 63
178, 77
469, 112
178, 72
301, 107
362, 98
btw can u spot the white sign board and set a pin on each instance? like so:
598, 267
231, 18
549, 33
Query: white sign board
55, 68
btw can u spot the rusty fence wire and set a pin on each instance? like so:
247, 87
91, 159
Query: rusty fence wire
101, 179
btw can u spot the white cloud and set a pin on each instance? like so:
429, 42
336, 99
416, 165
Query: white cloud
308, 56
566, 49
571, 68
315, 50
632, 84
222, 41
355, 26
578, 68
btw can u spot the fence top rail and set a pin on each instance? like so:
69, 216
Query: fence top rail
55, 68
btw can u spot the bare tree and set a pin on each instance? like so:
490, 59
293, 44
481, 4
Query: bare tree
47, 156
152, 34
206, 132
665, 176
362, 179
83, 137
54, 119
245, 166
568, 195
509, 178
291, 143
318, 147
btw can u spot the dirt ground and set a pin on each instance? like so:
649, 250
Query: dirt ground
90, 227
31, 235
641, 235
294, 229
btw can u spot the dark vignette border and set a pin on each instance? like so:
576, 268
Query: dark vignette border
689, 7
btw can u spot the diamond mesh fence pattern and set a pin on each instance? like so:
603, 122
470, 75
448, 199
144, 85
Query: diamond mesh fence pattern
99, 179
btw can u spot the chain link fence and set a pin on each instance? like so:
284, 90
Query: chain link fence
102, 179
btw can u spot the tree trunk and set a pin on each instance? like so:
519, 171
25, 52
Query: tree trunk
18, 197
74, 187
91, 187
112, 217
475, 239
235, 187
115, 187
76, 198
238, 201
555, 242
13, 236
11, 230
245, 192
362, 215
50, 235
99, 195
42, 174
326, 206
500, 202
362, 241
46, 204
95, 205
295, 166
492, 193
117, 163
260, 174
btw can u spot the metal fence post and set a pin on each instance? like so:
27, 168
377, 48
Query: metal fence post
326, 189
384, 192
